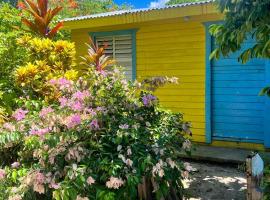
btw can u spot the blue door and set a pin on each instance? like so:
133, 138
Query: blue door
237, 112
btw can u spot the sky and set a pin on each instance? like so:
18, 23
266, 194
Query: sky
143, 3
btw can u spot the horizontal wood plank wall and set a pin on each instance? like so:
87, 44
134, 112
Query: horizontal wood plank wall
176, 49
169, 48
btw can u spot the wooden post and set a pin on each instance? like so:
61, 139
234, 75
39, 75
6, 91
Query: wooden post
254, 171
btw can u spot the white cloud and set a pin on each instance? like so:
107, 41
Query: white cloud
158, 3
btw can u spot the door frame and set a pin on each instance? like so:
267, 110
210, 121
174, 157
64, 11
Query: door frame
208, 92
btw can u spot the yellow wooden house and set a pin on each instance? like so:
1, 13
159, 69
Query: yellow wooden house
220, 98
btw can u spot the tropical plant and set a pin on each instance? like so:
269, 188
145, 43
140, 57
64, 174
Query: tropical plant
96, 57
243, 19
42, 18
47, 59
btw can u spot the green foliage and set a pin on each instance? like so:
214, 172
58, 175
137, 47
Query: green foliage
243, 18
172, 2
266, 184
47, 59
11, 55
72, 8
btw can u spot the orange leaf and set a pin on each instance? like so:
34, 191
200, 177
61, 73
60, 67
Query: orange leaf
43, 6
32, 5
55, 29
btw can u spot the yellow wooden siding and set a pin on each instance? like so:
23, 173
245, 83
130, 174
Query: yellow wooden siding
169, 48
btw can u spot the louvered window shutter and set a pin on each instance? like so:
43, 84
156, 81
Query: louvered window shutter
120, 49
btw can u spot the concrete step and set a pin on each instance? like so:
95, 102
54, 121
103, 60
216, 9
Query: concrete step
221, 154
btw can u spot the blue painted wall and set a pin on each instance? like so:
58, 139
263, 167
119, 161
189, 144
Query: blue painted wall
234, 110
237, 110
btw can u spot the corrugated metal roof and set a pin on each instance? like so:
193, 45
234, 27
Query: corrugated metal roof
132, 11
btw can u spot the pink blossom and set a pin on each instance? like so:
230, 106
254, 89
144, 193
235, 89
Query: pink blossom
39, 178
63, 101
73, 120
2, 174
94, 124
101, 109
123, 126
148, 100
53, 81
39, 132
129, 162
19, 114
76, 106
81, 95
15, 165
90, 180
55, 185
9, 127
90, 111
62, 83
45, 111
114, 183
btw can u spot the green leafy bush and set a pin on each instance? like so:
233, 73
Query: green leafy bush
47, 59
97, 142
11, 55
266, 184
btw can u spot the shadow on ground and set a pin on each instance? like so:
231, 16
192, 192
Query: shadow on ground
215, 182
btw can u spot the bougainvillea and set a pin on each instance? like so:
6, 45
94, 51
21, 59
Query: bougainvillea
99, 140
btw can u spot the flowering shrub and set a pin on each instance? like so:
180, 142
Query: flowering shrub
97, 141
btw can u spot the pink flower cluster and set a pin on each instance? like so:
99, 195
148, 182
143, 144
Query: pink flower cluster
73, 120
94, 124
9, 127
39, 132
45, 111
62, 83
19, 114
2, 174
81, 95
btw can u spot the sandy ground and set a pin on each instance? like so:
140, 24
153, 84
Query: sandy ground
215, 182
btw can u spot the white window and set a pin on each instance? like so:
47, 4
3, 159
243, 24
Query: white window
120, 49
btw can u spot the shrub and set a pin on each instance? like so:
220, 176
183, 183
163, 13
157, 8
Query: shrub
266, 183
47, 59
93, 143
11, 55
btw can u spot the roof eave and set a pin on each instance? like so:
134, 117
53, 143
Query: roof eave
140, 17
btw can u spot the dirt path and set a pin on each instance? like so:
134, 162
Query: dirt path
215, 182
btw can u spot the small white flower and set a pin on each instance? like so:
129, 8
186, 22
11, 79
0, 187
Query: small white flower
186, 145
129, 152
147, 124
161, 173
129, 162
90, 180
122, 158
119, 147
114, 183
171, 163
